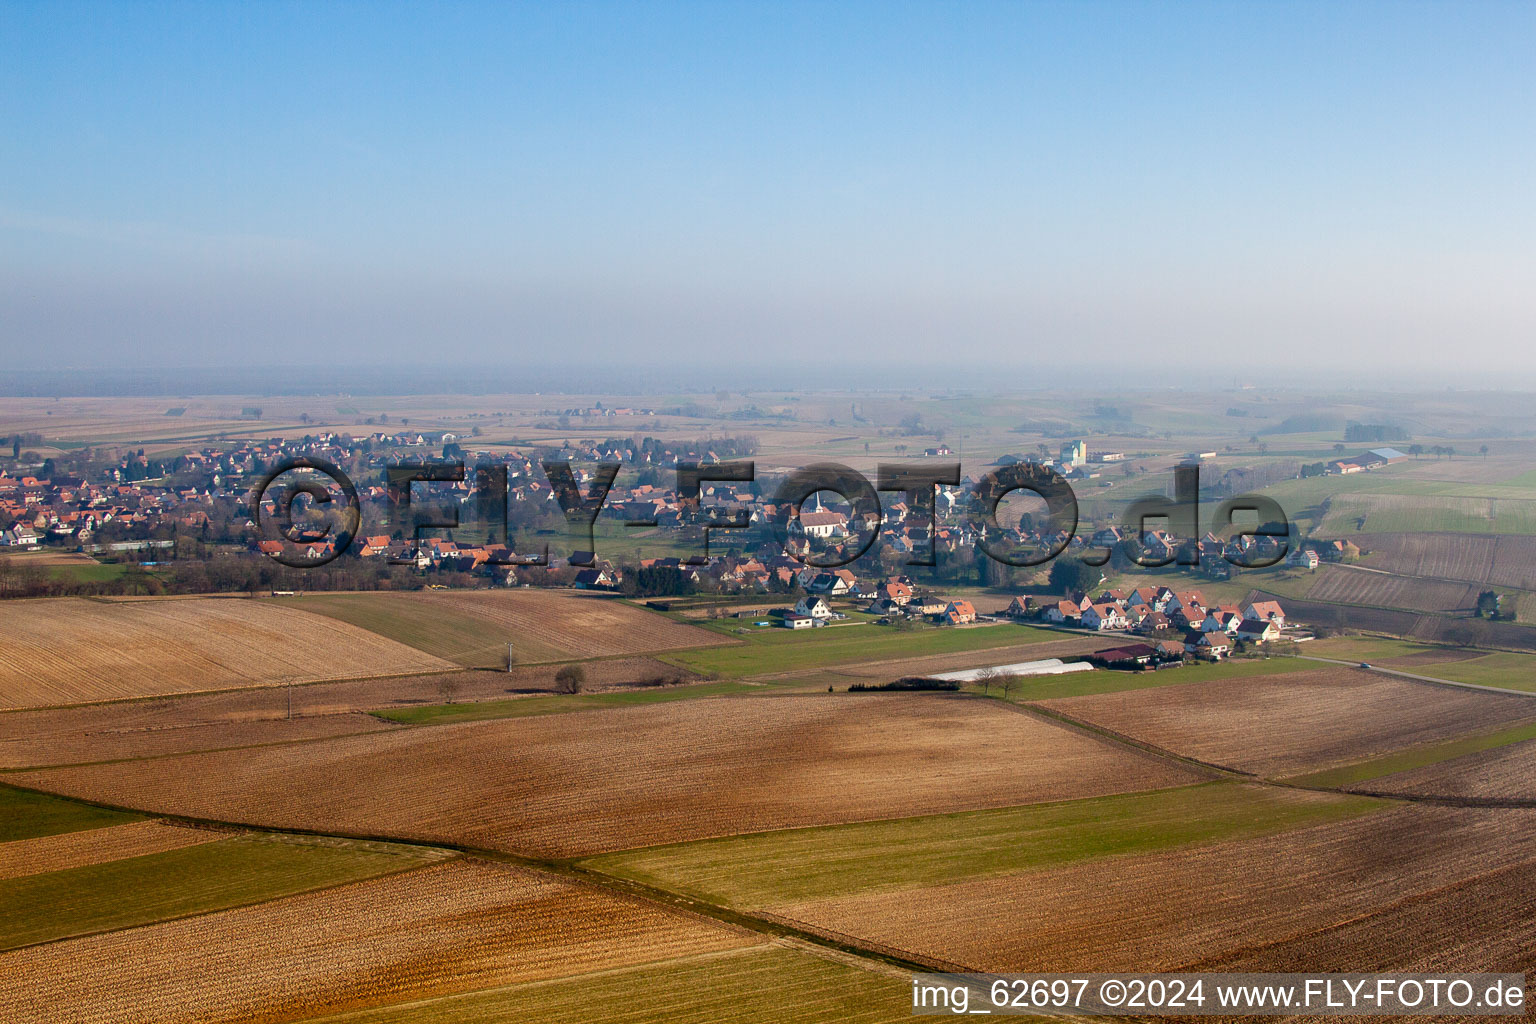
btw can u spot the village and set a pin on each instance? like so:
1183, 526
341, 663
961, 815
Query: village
137, 509
1171, 625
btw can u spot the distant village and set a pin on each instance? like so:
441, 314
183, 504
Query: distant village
144, 510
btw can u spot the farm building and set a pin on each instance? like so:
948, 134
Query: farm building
1129, 656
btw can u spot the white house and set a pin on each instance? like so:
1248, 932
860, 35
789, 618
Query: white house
19, 537
815, 606
1265, 611
1208, 645
1258, 631
828, 583
1304, 558
1061, 611
1103, 616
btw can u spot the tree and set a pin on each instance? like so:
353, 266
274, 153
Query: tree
986, 678
1483, 451
571, 679
16, 447
1008, 683
1068, 575
448, 685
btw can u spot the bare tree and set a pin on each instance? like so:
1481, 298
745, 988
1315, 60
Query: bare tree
571, 679
1008, 683
449, 686
986, 678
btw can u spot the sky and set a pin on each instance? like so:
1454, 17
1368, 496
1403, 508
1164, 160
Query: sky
826, 190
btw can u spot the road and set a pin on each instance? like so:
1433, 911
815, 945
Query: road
1419, 678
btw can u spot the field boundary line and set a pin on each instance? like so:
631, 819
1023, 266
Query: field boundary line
613, 885
236, 833
1238, 774
1152, 750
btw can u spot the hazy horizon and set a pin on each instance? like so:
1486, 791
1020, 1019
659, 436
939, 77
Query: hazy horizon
724, 194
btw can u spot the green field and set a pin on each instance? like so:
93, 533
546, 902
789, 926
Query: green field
1503, 668
757, 985
1441, 513
1419, 757
197, 879
519, 707
1494, 668
784, 650
768, 868
28, 815
100, 572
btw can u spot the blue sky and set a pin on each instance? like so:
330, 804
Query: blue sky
587, 183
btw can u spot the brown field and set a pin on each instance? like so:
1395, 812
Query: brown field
1508, 561
473, 627
119, 742
47, 556
569, 785
1488, 920
573, 624
232, 718
450, 927
1360, 586
96, 846
1195, 905
1300, 721
67, 650
1487, 923
1502, 773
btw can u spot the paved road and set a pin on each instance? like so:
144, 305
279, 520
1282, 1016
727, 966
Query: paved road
1422, 679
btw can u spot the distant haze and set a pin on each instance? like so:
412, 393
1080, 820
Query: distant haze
843, 194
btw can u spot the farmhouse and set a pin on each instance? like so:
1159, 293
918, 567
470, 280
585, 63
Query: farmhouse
1128, 656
